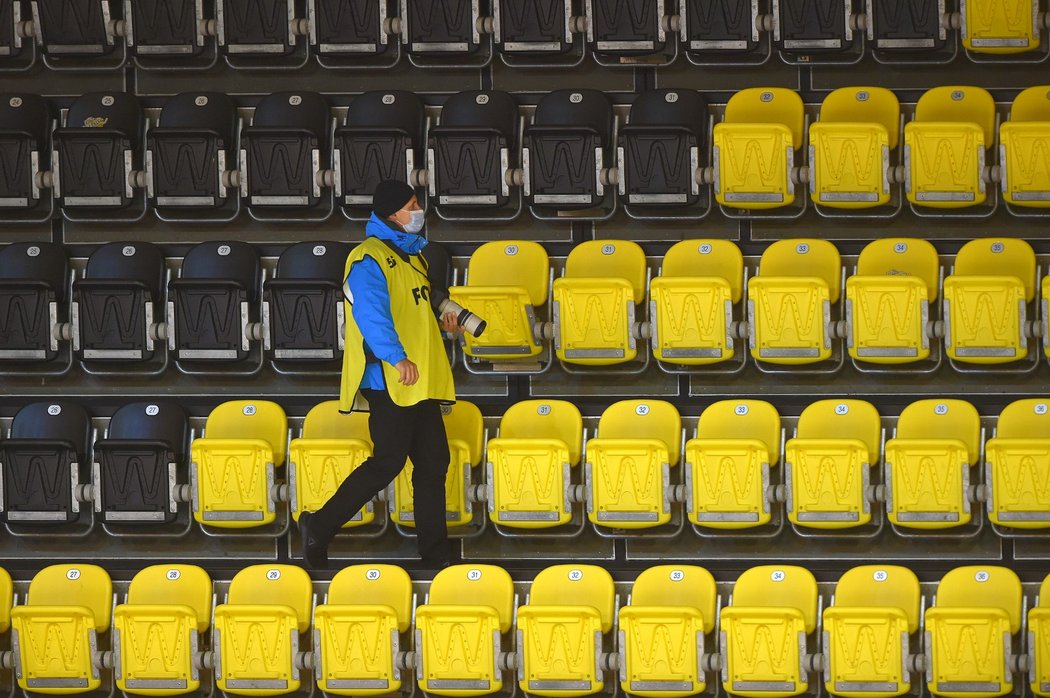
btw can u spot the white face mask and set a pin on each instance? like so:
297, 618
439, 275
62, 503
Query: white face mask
415, 221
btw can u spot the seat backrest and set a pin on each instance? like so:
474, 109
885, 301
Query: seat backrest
136, 261
464, 421
545, 419
374, 585
1044, 593
152, 421
963, 104
519, 263
897, 256
586, 108
26, 113
210, 111
742, 419
999, 257
325, 421
643, 419
864, 105
295, 110
235, 261
983, 586
397, 110
942, 419
1024, 419
484, 109
74, 584
843, 419
323, 261
804, 257
250, 419
706, 258
174, 585
54, 421
671, 107
778, 586
604, 259
118, 111
887, 586
1031, 104
37, 261
283, 585
768, 105
576, 585
475, 585
7, 595
688, 586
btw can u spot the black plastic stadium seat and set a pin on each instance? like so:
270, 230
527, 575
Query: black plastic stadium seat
440, 27
305, 302
812, 26
44, 461
625, 27
117, 300
167, 29
24, 124
13, 44
137, 462
256, 27
33, 279
537, 27
213, 299
348, 28
75, 28
719, 27
906, 25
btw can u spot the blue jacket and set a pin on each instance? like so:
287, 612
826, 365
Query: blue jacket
365, 287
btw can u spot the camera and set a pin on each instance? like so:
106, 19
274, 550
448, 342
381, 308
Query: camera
439, 269
467, 320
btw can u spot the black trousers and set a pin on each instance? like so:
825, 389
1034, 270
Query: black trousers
415, 432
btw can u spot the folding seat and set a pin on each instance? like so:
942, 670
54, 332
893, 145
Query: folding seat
359, 630
717, 31
970, 632
662, 631
44, 461
383, 138
906, 26
815, 27
530, 464
7, 595
985, 300
790, 300
34, 282
344, 33
232, 465
565, 149
1024, 150
1000, 26
55, 633
850, 148
304, 302
211, 304
532, 28
25, 151
754, 148
927, 464
16, 45
164, 31
868, 629
765, 630
944, 147
626, 33
157, 631
77, 29
829, 462
256, 633
506, 282
459, 629
691, 302
136, 465
256, 28
888, 301
465, 429
440, 31
628, 464
595, 301
1039, 642
561, 631
729, 465
1017, 466
659, 153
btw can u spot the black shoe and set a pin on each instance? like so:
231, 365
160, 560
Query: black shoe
315, 552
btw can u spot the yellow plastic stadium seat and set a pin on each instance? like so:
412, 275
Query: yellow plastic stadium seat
691, 302
789, 302
7, 592
1017, 461
764, 631
357, 631
458, 630
1039, 642
529, 464
157, 631
256, 633
969, 632
662, 631
728, 464
849, 147
985, 301
1024, 149
506, 280
54, 634
868, 629
944, 147
560, 631
754, 148
1044, 304
465, 430
628, 470
927, 464
829, 464
888, 301
232, 468
594, 302
1000, 26
333, 444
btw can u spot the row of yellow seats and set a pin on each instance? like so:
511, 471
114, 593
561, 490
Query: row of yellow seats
790, 319
570, 638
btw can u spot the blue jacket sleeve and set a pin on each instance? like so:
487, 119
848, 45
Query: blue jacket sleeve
370, 304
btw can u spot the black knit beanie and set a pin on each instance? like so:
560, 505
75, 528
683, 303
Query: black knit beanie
390, 197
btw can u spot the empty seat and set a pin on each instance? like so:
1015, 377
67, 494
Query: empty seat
595, 301
1039, 641
55, 632
165, 30
622, 30
628, 469
25, 121
12, 41
74, 28
867, 631
829, 462
34, 282
662, 629
888, 301
1000, 26
906, 26
530, 464
257, 631
754, 148
232, 465
458, 630
790, 301
944, 147
1024, 149
44, 460
257, 27
373, 601
343, 28
158, 629
726, 28
7, 595
970, 632
818, 26
985, 300
1017, 466
440, 28
765, 628
729, 465
560, 630
532, 27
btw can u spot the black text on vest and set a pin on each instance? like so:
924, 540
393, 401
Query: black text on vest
421, 293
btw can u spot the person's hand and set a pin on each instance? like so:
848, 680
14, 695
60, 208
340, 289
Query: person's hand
450, 324
409, 372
